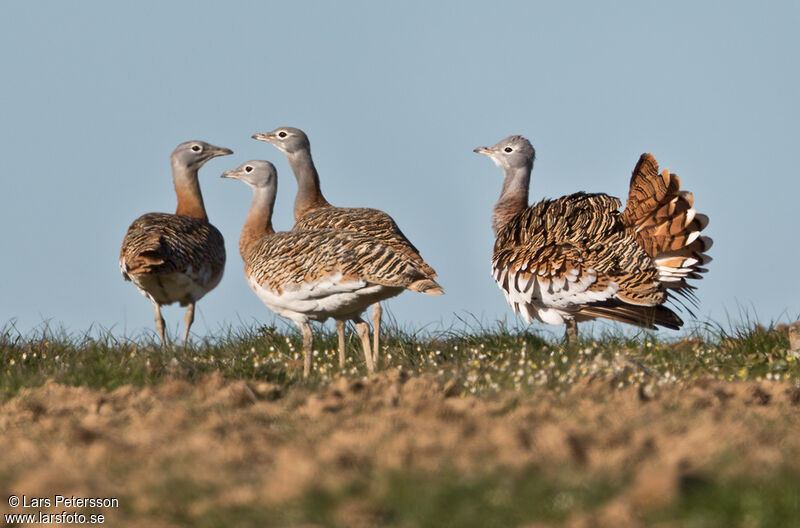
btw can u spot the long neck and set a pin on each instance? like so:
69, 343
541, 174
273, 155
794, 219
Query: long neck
190, 200
513, 197
309, 196
258, 223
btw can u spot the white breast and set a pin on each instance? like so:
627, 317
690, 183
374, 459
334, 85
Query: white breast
179, 287
328, 297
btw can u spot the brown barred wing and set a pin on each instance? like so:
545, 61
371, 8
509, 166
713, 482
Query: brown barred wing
161, 243
294, 258
373, 222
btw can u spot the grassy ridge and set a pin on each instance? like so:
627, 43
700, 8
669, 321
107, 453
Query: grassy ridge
479, 360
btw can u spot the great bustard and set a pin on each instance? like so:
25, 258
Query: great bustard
312, 211
177, 257
578, 257
311, 275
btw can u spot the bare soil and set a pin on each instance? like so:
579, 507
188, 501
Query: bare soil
176, 452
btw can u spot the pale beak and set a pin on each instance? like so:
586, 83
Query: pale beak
486, 151
262, 136
230, 174
221, 151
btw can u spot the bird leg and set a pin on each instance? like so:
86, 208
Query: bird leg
377, 311
363, 333
188, 319
571, 335
308, 342
340, 332
159, 323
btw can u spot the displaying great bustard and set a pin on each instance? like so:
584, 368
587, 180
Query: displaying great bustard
312, 211
578, 257
177, 257
311, 275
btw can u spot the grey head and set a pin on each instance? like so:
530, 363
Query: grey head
193, 154
288, 140
258, 174
510, 153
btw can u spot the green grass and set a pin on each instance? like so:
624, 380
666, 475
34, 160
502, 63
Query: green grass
450, 499
496, 499
408, 499
738, 501
478, 359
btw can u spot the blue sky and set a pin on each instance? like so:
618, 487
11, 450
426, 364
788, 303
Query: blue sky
394, 97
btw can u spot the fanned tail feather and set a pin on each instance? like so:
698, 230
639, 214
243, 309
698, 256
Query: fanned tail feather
664, 222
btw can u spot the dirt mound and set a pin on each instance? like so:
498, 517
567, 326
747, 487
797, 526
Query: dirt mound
178, 452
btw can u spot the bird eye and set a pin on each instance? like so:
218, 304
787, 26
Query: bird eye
282, 134
196, 148
248, 169
508, 149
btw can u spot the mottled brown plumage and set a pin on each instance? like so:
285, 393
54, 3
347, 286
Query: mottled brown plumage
311, 275
579, 232
176, 257
372, 222
160, 244
313, 211
290, 259
578, 257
